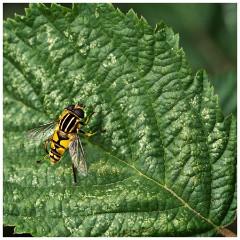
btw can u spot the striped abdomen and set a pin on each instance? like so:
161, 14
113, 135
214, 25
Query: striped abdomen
60, 141
58, 146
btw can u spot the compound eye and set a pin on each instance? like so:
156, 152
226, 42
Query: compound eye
79, 112
70, 107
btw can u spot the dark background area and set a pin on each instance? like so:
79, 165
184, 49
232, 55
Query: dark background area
208, 36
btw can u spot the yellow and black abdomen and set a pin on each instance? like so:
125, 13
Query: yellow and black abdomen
60, 140
58, 146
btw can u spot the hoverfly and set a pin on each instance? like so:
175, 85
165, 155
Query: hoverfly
64, 136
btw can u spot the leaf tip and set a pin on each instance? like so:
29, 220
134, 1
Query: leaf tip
201, 73
160, 26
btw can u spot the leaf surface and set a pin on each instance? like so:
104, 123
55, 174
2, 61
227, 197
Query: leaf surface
166, 165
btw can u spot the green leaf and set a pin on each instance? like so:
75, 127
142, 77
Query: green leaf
166, 165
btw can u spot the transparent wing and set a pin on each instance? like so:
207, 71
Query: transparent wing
78, 156
42, 131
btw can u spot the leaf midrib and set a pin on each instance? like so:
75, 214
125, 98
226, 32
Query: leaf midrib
185, 204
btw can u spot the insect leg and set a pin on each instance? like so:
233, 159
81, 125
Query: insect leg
41, 161
87, 133
74, 173
87, 120
45, 148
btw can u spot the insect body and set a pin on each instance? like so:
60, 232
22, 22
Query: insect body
65, 135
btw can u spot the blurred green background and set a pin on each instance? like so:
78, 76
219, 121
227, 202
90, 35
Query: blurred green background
208, 35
